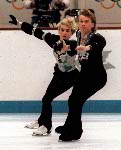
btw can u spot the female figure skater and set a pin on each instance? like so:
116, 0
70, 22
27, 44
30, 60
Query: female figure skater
65, 71
92, 76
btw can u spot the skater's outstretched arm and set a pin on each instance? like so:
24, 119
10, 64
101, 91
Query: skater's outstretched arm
49, 38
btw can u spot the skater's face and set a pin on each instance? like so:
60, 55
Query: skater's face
85, 24
64, 32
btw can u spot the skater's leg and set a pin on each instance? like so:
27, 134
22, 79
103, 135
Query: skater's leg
80, 93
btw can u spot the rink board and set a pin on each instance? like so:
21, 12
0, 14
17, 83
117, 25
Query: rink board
27, 68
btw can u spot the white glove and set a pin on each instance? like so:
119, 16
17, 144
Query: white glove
67, 3
61, 3
27, 4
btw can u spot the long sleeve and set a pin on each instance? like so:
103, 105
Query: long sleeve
27, 28
97, 42
94, 57
49, 38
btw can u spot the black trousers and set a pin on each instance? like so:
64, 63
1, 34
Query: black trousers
61, 82
86, 85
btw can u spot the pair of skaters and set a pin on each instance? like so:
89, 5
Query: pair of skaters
85, 83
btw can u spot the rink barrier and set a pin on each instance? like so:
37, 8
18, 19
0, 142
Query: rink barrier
91, 106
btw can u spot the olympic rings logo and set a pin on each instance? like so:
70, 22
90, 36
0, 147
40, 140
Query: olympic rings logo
109, 7
13, 4
101, 2
9, 1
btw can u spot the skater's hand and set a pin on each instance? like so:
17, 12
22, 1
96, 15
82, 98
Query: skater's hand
65, 47
14, 20
82, 48
58, 45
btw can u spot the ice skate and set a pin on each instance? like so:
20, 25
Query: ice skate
32, 125
70, 136
59, 129
42, 130
71, 131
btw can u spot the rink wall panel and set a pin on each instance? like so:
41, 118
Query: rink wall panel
27, 63
91, 106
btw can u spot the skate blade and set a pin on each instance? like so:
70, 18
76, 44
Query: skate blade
67, 141
31, 127
35, 134
28, 127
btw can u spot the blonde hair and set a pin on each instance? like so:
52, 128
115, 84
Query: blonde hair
69, 22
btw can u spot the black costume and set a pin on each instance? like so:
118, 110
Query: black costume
92, 78
64, 75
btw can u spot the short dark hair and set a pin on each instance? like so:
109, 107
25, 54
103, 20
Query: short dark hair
89, 13
92, 11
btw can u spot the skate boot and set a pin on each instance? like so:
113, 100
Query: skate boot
72, 130
59, 129
42, 130
70, 136
32, 125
